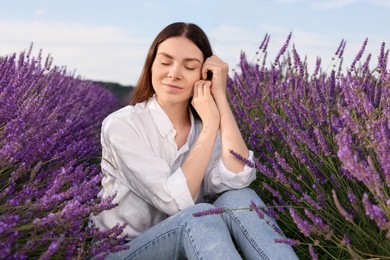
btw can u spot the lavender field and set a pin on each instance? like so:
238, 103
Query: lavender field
321, 142
49, 161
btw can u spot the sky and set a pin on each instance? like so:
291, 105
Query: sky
108, 40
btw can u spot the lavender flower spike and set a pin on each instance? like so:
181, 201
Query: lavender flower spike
254, 207
283, 49
314, 133
242, 159
313, 254
211, 211
288, 241
339, 48
302, 225
360, 54
375, 213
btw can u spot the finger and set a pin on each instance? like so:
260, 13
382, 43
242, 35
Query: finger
199, 87
204, 71
213, 64
209, 68
207, 88
195, 90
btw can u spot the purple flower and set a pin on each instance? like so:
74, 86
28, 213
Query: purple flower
319, 227
211, 211
303, 225
335, 181
254, 207
283, 49
322, 142
339, 49
312, 252
288, 241
318, 67
360, 53
313, 136
49, 149
375, 213
345, 241
282, 162
242, 159
264, 42
309, 200
298, 62
52, 248
351, 197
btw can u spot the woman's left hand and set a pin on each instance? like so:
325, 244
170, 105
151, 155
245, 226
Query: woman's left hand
220, 71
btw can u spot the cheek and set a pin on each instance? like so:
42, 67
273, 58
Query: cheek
153, 70
195, 76
156, 73
194, 80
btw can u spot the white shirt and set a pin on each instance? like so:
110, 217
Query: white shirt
142, 166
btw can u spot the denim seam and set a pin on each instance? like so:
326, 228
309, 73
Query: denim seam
244, 230
194, 246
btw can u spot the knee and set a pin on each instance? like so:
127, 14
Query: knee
238, 198
201, 213
245, 193
197, 209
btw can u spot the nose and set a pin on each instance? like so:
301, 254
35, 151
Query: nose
174, 72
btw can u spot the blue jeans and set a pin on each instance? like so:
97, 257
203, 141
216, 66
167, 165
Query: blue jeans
183, 236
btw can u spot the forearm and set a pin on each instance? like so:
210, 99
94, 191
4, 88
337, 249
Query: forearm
231, 138
195, 166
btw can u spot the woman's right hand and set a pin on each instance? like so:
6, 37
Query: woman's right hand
204, 103
195, 165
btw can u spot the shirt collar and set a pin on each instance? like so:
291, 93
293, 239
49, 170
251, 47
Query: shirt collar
161, 119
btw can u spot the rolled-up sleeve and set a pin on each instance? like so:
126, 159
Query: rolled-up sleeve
219, 178
141, 169
177, 185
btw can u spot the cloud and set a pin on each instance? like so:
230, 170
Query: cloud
39, 13
116, 54
333, 4
95, 52
382, 3
229, 41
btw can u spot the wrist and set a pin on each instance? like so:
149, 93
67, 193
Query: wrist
210, 127
223, 105
220, 96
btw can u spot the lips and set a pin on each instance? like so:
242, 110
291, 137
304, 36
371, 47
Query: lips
173, 86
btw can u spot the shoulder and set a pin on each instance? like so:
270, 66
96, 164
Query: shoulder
127, 116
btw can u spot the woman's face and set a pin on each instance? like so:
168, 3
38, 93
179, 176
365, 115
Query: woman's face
175, 69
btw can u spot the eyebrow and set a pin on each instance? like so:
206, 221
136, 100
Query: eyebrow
171, 57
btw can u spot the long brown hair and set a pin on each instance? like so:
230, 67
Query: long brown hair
144, 88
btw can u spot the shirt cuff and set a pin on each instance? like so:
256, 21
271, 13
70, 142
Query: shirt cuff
238, 180
177, 185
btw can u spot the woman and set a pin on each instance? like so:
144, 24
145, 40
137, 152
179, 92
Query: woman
171, 147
